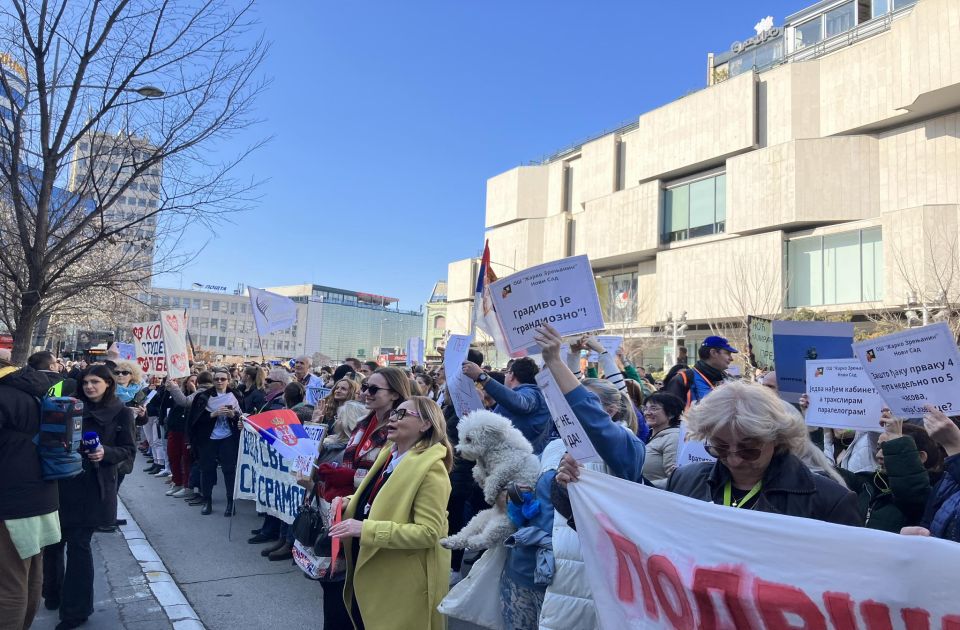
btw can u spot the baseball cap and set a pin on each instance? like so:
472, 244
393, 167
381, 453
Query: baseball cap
720, 343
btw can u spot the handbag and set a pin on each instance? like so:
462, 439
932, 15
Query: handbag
476, 598
314, 551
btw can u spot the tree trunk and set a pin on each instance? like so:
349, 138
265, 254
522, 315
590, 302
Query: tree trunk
26, 322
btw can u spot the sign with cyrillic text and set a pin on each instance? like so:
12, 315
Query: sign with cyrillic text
760, 342
755, 570
151, 353
571, 432
610, 343
562, 293
841, 396
913, 368
795, 343
691, 451
266, 477
462, 391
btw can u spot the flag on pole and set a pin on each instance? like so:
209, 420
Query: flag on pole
271, 312
283, 431
484, 315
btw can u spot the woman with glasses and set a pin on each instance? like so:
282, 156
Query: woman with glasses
385, 390
89, 500
274, 384
662, 411
393, 524
216, 434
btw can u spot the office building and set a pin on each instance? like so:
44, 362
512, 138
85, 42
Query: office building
435, 323
819, 168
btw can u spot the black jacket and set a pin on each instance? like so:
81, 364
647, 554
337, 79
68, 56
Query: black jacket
788, 488
200, 423
90, 500
680, 386
23, 492
253, 399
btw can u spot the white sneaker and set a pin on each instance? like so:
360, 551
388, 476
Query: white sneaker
173, 490
181, 493
163, 473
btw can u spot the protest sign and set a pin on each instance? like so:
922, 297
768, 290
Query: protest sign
914, 368
265, 476
610, 343
127, 351
572, 434
462, 391
313, 394
149, 348
794, 343
841, 396
414, 351
560, 293
173, 326
760, 342
649, 565
690, 451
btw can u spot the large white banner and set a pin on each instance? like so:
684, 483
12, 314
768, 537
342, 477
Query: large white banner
266, 477
655, 559
841, 396
562, 293
174, 326
462, 391
148, 343
914, 368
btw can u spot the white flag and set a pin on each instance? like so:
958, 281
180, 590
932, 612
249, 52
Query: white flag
271, 312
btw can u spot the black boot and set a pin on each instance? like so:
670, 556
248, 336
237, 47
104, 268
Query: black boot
207, 507
230, 511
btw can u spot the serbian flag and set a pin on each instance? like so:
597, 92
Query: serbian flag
484, 316
282, 430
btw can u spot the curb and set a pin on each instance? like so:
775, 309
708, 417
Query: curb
175, 606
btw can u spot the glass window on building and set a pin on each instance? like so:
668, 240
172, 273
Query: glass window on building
175, 301
693, 209
440, 322
880, 7
618, 297
214, 322
223, 325
836, 269
205, 305
213, 340
223, 341
243, 308
196, 303
233, 308
154, 300
841, 19
808, 33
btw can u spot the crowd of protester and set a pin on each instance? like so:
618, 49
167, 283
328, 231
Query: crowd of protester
383, 423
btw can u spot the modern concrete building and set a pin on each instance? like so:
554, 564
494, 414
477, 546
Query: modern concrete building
819, 168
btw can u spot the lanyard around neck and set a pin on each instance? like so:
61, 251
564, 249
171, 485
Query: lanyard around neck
728, 494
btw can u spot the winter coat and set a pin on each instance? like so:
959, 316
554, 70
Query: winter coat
525, 407
895, 499
200, 423
90, 499
253, 399
401, 572
661, 458
942, 514
788, 488
23, 492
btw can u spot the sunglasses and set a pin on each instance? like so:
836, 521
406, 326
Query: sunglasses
373, 389
723, 452
269, 381
400, 414
221, 379
123, 373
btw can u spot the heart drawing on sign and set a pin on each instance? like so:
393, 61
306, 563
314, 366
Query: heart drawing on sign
174, 322
138, 332
179, 361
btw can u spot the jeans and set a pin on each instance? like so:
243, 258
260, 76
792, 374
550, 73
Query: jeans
225, 452
520, 606
70, 582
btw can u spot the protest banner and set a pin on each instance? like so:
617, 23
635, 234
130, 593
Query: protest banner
690, 451
150, 351
610, 343
760, 342
415, 350
841, 396
173, 325
266, 477
913, 368
316, 393
127, 351
560, 293
649, 565
571, 432
463, 391
794, 343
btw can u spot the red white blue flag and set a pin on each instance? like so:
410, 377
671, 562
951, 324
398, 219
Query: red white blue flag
283, 431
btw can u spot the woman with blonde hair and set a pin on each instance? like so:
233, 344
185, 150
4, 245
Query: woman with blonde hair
394, 522
343, 391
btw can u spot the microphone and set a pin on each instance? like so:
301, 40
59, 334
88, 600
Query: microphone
91, 442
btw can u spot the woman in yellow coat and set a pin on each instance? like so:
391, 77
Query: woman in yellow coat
397, 572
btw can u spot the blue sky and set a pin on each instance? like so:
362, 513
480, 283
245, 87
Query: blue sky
388, 117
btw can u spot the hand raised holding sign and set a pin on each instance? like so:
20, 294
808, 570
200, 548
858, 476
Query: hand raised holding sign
942, 429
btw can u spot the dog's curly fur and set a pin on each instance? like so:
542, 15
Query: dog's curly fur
503, 456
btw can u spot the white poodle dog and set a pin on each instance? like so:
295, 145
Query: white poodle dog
503, 456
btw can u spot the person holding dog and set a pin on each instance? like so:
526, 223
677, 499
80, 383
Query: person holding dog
394, 522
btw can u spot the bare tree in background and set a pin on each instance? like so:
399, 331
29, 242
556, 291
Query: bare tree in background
105, 95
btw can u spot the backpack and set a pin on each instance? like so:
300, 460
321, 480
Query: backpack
58, 441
